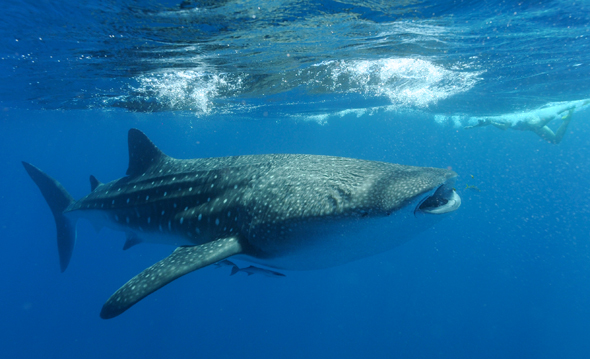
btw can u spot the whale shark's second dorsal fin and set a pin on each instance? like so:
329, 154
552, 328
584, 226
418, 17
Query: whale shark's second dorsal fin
142, 153
94, 183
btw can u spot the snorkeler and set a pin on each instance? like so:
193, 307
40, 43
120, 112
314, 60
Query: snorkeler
535, 124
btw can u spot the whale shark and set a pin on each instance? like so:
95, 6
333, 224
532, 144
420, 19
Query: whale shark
277, 211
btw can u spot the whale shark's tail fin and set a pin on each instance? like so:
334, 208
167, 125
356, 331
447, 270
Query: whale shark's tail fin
58, 200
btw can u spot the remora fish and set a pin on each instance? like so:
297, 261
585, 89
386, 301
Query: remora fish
248, 270
294, 212
255, 270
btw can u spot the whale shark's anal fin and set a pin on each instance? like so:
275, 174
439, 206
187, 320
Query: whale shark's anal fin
132, 240
182, 261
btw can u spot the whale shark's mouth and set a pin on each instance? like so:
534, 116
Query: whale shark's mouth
444, 200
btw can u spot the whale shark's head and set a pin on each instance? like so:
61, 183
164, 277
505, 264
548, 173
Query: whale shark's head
385, 207
423, 191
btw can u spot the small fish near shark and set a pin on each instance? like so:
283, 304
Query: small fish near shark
248, 270
281, 211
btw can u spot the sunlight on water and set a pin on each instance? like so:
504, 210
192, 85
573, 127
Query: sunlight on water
191, 90
246, 58
406, 82
403, 82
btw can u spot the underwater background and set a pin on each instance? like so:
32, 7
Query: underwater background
505, 276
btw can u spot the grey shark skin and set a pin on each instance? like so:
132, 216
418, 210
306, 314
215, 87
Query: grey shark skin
282, 211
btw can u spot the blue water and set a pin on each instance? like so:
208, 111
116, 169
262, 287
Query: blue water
506, 276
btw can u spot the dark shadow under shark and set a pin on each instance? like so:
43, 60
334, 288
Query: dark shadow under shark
283, 211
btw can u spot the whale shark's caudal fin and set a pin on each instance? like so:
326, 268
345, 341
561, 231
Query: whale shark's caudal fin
58, 200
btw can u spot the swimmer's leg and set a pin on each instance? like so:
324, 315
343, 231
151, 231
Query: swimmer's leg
561, 130
545, 121
546, 134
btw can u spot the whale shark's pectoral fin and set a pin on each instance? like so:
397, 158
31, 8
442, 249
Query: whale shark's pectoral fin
182, 261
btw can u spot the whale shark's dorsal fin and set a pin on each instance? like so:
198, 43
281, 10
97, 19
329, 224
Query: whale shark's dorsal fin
142, 153
94, 183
